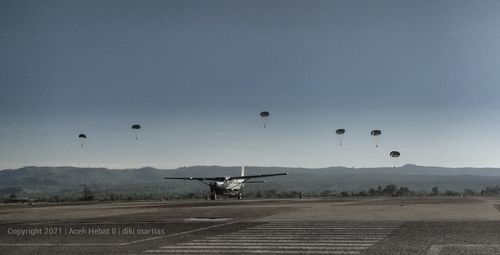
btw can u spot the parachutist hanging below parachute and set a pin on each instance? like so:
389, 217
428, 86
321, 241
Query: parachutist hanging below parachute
82, 139
340, 132
395, 155
136, 128
264, 116
376, 136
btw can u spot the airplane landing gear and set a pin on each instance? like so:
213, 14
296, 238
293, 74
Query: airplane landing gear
239, 196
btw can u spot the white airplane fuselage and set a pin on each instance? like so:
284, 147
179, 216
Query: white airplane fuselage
227, 187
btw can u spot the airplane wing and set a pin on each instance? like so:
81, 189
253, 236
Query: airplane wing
254, 181
255, 176
192, 178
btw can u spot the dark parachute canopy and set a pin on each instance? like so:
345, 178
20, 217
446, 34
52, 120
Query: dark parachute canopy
264, 116
340, 132
82, 136
136, 128
376, 136
395, 154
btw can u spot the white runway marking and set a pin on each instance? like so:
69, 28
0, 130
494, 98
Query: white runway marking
478, 249
237, 251
290, 238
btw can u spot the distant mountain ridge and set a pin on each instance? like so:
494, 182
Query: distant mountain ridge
69, 180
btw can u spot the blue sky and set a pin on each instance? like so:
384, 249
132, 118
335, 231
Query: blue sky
196, 74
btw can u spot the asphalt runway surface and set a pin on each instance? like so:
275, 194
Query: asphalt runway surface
427, 225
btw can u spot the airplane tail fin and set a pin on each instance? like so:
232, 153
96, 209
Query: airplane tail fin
242, 171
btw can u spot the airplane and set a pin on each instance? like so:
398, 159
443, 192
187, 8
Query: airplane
226, 185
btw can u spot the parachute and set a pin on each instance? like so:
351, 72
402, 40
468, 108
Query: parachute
82, 139
340, 132
395, 155
136, 128
264, 116
376, 136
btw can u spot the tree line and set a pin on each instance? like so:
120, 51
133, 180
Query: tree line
390, 190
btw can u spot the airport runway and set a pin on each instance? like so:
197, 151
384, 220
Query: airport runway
429, 226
